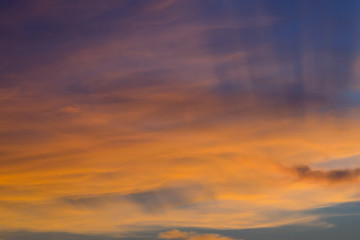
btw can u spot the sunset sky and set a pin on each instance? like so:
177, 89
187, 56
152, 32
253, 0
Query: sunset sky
179, 119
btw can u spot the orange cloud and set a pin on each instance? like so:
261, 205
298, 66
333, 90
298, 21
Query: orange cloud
126, 129
176, 234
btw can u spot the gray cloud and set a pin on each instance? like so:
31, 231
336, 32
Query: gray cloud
148, 201
330, 176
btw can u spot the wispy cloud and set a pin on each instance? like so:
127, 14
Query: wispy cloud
119, 115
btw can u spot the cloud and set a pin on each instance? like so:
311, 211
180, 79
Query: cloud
176, 234
304, 172
110, 104
154, 201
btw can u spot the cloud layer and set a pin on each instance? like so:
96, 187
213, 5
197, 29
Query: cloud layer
118, 116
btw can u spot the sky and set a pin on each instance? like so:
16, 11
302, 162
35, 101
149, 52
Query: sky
179, 119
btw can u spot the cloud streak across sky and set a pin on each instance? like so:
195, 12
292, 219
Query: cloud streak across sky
134, 115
